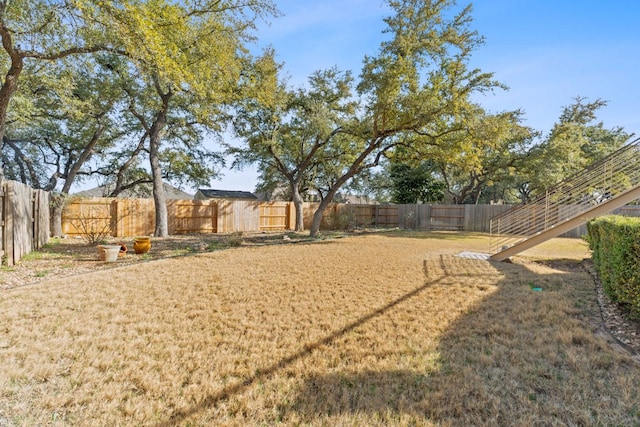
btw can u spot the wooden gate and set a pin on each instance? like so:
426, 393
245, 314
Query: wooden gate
24, 219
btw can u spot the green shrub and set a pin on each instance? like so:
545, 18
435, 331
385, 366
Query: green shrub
615, 242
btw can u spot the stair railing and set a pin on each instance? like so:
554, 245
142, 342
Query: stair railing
601, 181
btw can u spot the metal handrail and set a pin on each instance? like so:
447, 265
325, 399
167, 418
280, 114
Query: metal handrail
602, 180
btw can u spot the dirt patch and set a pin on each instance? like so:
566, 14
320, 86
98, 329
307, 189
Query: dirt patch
616, 319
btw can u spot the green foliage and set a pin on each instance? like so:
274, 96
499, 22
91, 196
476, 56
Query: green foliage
415, 184
482, 152
71, 119
615, 242
576, 141
292, 139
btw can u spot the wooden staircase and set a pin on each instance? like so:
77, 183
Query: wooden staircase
604, 186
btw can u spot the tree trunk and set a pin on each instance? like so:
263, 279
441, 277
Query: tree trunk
57, 206
317, 219
9, 85
162, 224
159, 200
59, 199
298, 203
317, 215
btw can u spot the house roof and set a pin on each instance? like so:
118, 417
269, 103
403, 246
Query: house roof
227, 194
140, 191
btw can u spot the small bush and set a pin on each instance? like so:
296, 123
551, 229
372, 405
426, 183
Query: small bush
615, 242
94, 223
234, 239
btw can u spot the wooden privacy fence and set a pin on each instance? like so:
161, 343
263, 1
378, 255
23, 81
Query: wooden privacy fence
414, 217
136, 217
24, 220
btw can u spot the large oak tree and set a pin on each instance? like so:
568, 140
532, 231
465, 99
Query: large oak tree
419, 79
192, 60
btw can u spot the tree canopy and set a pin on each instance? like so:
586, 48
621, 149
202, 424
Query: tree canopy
418, 81
129, 90
175, 69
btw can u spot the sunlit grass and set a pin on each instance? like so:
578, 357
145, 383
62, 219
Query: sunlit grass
370, 330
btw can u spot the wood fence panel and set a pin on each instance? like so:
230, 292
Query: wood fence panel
423, 217
25, 214
630, 210
238, 216
566, 212
192, 216
131, 217
361, 215
328, 215
407, 217
5, 223
91, 215
9, 227
447, 217
2, 220
247, 213
307, 214
24, 220
275, 216
134, 217
225, 218
331, 218
387, 216
478, 217
21, 200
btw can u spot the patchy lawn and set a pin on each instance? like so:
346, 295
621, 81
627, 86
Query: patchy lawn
388, 329
68, 257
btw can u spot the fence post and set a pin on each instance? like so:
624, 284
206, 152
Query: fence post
115, 220
2, 220
291, 215
467, 216
8, 224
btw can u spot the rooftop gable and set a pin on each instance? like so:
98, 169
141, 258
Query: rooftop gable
227, 194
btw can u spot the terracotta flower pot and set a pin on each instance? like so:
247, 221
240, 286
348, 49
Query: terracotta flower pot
123, 249
101, 252
141, 245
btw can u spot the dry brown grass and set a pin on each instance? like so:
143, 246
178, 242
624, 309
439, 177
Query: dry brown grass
381, 330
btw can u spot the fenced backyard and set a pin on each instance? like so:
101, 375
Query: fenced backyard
25, 217
132, 217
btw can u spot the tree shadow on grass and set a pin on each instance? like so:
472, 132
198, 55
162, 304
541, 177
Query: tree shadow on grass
515, 357
371, 392
432, 234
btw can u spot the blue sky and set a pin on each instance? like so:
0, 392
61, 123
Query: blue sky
546, 51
